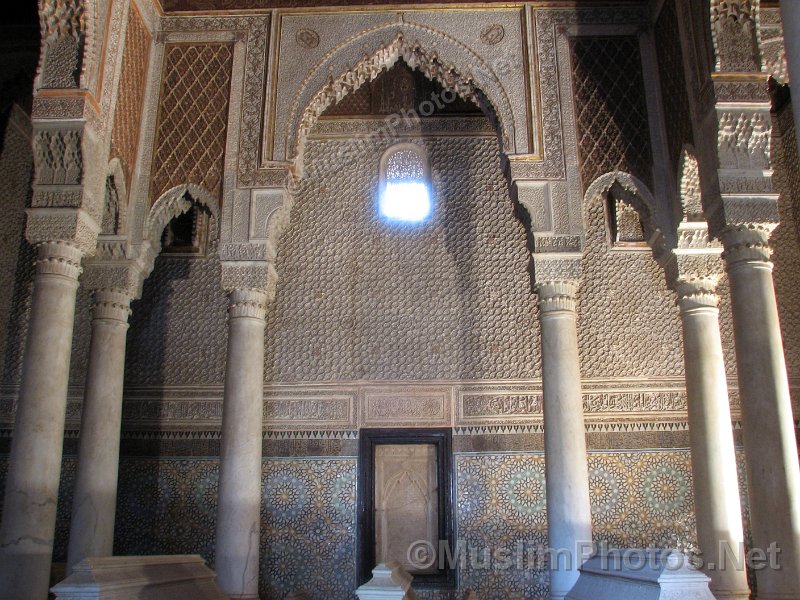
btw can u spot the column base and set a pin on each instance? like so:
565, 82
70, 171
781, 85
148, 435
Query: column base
731, 595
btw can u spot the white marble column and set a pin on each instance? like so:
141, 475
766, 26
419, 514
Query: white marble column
239, 511
790, 20
31, 494
569, 518
94, 500
768, 429
716, 485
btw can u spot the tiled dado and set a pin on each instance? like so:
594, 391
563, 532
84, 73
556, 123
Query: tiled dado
610, 405
308, 537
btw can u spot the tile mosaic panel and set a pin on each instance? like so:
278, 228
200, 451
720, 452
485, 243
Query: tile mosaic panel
307, 527
641, 498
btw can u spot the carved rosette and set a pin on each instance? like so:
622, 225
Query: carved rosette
59, 258
746, 244
557, 296
112, 305
248, 303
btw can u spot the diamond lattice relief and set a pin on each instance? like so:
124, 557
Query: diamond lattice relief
673, 84
613, 129
128, 114
192, 117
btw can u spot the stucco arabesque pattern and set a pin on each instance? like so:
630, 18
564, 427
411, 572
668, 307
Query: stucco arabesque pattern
557, 129
256, 29
745, 206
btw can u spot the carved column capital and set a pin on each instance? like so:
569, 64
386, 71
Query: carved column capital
251, 303
59, 258
250, 275
112, 305
557, 296
698, 293
746, 244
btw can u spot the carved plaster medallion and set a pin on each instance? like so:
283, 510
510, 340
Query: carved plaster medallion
493, 34
307, 38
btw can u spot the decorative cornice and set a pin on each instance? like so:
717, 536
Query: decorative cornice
250, 303
557, 296
59, 258
112, 305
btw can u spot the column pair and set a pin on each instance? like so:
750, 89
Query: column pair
569, 514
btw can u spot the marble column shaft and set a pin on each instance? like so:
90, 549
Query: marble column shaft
94, 500
31, 493
768, 428
569, 518
716, 484
790, 20
239, 511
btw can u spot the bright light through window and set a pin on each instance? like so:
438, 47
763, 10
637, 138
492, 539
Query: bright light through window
406, 201
405, 195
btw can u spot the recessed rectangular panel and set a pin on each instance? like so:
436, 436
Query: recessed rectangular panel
406, 506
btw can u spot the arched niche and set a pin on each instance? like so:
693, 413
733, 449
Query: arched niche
628, 189
173, 203
437, 55
115, 206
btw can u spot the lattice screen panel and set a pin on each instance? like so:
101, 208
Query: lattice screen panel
613, 129
192, 117
673, 84
128, 115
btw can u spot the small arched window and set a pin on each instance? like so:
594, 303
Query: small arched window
405, 191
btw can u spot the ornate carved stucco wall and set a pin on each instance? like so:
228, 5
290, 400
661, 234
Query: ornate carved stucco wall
358, 304
362, 299
16, 257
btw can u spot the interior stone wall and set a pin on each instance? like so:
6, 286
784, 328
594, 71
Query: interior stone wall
361, 299
16, 255
178, 332
628, 323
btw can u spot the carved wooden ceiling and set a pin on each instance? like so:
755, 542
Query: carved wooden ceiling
218, 5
